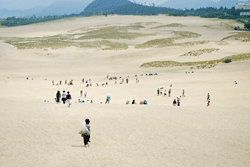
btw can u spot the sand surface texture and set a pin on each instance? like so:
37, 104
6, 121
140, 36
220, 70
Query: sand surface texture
38, 133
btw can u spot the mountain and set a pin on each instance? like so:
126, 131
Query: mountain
4, 13
65, 7
59, 7
180, 4
123, 7
104, 5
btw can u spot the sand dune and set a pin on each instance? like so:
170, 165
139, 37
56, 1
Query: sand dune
38, 133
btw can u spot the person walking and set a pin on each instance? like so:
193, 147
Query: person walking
183, 93
208, 99
86, 134
108, 99
64, 97
174, 102
85, 94
158, 91
69, 98
165, 93
169, 92
81, 93
178, 100
58, 96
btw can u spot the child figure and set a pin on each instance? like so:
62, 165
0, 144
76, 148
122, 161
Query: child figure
86, 136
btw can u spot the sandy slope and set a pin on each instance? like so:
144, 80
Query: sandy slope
34, 133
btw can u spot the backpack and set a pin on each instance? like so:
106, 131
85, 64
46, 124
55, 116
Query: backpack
68, 96
84, 129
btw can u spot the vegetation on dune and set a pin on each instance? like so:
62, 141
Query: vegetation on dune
62, 41
159, 43
221, 43
200, 52
243, 36
199, 64
169, 25
114, 32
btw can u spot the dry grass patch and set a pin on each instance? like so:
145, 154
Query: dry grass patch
243, 36
114, 33
146, 23
165, 42
221, 26
62, 41
200, 52
169, 25
222, 43
199, 64
107, 44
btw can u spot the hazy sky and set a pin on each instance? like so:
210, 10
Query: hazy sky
26, 4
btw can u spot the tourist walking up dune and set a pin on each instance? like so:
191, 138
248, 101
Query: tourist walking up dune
208, 99
69, 98
174, 102
107, 99
58, 96
64, 97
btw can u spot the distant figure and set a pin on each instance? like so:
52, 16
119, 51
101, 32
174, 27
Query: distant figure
169, 92
65, 82
81, 93
60, 82
208, 96
86, 134
178, 101
208, 102
107, 99
83, 80
208, 99
183, 93
174, 102
236, 82
133, 102
127, 80
85, 94
145, 101
64, 97
161, 91
81, 101
69, 98
53, 82
137, 80
165, 93
158, 91
58, 96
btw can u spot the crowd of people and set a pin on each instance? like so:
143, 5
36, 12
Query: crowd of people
66, 98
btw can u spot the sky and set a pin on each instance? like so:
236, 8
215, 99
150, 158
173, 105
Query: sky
26, 4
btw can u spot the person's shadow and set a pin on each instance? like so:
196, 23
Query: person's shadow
77, 146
